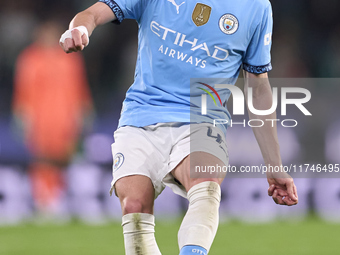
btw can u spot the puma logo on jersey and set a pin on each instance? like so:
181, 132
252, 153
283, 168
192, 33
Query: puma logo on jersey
176, 5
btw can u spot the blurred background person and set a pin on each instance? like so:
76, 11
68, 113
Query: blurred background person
51, 97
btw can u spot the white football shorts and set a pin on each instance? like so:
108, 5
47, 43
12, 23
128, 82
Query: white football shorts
155, 150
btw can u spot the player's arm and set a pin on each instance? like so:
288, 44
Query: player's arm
82, 26
281, 185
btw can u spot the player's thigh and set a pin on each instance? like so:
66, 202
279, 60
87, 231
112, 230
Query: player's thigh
186, 171
136, 194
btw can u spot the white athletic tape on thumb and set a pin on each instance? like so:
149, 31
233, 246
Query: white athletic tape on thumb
68, 34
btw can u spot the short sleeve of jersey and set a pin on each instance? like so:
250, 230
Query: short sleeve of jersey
126, 9
257, 58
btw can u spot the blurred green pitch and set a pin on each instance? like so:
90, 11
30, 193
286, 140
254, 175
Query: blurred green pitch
311, 236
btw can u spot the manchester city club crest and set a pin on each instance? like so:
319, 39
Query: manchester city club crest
228, 24
118, 161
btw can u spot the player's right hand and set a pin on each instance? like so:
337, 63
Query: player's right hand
282, 188
74, 40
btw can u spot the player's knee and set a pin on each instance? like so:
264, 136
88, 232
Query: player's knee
135, 205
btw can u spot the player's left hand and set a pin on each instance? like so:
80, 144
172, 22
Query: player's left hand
282, 188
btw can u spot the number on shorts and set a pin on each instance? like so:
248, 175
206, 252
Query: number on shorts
218, 137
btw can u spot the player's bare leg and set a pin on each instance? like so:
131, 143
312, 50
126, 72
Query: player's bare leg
200, 223
136, 194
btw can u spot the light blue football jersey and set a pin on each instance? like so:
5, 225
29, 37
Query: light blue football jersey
182, 43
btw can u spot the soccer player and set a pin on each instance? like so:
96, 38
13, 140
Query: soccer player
162, 117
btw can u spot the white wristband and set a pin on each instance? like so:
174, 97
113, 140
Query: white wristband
68, 34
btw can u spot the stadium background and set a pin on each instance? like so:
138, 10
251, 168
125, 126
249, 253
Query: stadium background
306, 43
